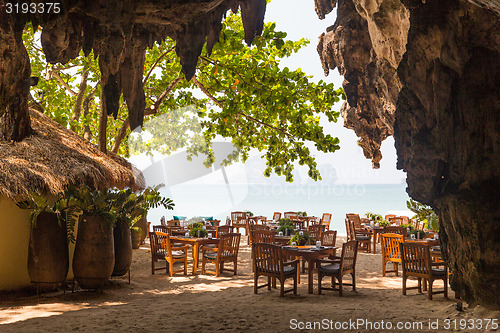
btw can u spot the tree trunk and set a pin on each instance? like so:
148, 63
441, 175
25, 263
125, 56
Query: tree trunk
14, 80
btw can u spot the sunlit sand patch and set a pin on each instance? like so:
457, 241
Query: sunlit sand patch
9, 316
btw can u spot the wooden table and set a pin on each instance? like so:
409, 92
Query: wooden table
308, 220
195, 245
283, 240
376, 231
310, 256
256, 219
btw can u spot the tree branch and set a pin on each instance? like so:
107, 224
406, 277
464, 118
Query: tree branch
156, 63
216, 101
153, 109
79, 100
64, 84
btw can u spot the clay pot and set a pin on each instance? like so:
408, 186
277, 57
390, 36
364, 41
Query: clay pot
136, 238
48, 257
123, 248
143, 224
94, 256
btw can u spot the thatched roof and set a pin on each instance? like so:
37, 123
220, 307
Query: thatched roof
53, 157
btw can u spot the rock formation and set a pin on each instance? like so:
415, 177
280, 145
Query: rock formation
428, 72
118, 32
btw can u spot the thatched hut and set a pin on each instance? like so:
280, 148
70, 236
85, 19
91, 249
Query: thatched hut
45, 162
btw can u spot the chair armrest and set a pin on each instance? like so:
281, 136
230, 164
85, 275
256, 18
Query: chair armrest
329, 261
182, 248
362, 232
205, 248
292, 262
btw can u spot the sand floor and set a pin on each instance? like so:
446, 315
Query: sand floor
158, 303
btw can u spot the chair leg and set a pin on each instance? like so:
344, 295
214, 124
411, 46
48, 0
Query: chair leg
255, 281
340, 285
269, 282
404, 283
171, 268
295, 285
185, 265
445, 282
152, 266
353, 276
420, 285
320, 277
429, 293
235, 267
203, 264
218, 268
282, 290
383, 267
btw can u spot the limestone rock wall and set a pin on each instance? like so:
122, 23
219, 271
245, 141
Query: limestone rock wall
119, 32
432, 80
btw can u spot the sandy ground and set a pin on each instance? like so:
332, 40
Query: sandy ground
158, 303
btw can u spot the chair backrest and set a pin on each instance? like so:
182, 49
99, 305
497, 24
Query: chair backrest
396, 230
276, 216
406, 219
316, 230
214, 223
396, 220
291, 215
328, 238
173, 223
348, 257
164, 240
388, 216
263, 236
355, 219
229, 245
267, 258
390, 245
415, 258
223, 230
325, 220
254, 227
157, 250
349, 230
161, 228
238, 218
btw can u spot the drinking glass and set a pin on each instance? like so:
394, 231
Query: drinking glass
318, 244
280, 233
301, 233
209, 235
294, 244
412, 236
187, 234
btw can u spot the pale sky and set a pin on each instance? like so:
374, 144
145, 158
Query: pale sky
299, 20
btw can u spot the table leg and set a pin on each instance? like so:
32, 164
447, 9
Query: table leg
310, 271
195, 258
375, 242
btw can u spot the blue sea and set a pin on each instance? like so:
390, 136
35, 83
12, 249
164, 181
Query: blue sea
219, 200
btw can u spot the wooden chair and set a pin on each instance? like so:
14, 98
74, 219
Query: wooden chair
269, 261
325, 220
416, 261
396, 230
239, 220
390, 251
161, 248
338, 268
254, 227
223, 230
316, 230
328, 238
291, 215
161, 228
362, 236
388, 216
276, 217
396, 220
356, 221
173, 223
226, 251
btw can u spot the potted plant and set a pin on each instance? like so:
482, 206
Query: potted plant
94, 256
304, 239
150, 198
424, 214
286, 226
48, 257
197, 230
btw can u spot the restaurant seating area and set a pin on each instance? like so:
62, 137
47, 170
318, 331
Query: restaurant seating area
310, 248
